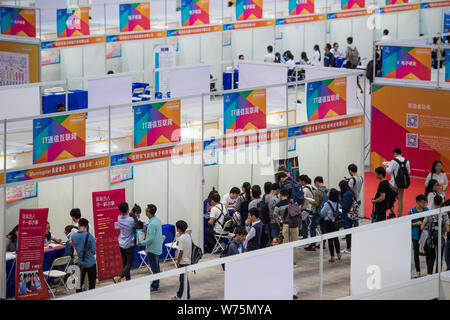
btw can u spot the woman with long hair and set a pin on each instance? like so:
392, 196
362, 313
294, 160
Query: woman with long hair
317, 57
431, 191
438, 174
243, 202
332, 205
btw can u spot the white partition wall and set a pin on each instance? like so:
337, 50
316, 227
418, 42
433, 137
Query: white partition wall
242, 43
262, 37
132, 58
293, 38
431, 21
362, 38
408, 25
111, 90
234, 169
94, 57
19, 102
386, 21
189, 50
314, 34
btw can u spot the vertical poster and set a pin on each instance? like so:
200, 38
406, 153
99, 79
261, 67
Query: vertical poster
446, 19
106, 213
352, 4
72, 22
30, 281
156, 123
113, 50
326, 99
19, 63
210, 153
18, 22
390, 2
194, 12
244, 110
121, 174
418, 124
406, 63
165, 57
301, 7
249, 9
59, 137
134, 16
288, 166
447, 65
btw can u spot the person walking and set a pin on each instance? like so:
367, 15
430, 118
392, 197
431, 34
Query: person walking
381, 199
421, 202
399, 169
184, 245
126, 241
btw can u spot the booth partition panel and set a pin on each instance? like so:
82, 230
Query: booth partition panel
72, 61
242, 43
389, 22
362, 33
94, 57
408, 25
291, 37
431, 21
132, 58
314, 34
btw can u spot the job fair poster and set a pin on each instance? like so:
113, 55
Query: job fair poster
352, 4
406, 63
72, 22
18, 22
156, 123
106, 213
30, 281
134, 16
326, 99
391, 2
244, 110
301, 7
194, 12
59, 137
419, 125
249, 9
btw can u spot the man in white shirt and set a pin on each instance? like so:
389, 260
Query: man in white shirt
229, 199
392, 169
217, 214
75, 214
184, 245
336, 51
386, 36
269, 57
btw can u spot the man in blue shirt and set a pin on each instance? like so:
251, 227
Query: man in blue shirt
126, 241
236, 245
86, 253
153, 242
421, 201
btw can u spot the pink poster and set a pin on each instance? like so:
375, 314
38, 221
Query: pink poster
106, 212
30, 281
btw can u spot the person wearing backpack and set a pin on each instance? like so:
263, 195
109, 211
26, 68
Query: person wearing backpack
350, 209
420, 207
289, 224
328, 59
218, 217
307, 209
294, 188
333, 221
320, 197
399, 169
355, 182
352, 57
266, 208
254, 229
184, 245
431, 223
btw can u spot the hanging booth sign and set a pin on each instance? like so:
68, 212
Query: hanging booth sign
326, 98
406, 63
134, 16
297, 7
352, 4
72, 22
249, 9
391, 2
18, 22
194, 12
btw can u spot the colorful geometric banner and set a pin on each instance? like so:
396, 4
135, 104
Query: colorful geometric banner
30, 281
249, 9
352, 4
391, 2
156, 123
59, 137
18, 22
106, 213
415, 120
72, 22
326, 99
244, 110
134, 16
194, 12
447, 65
301, 7
406, 63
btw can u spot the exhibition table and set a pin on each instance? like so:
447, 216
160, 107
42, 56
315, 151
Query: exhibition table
50, 254
76, 99
227, 80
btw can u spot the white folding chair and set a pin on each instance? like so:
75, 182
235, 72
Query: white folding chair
62, 261
173, 245
143, 254
218, 237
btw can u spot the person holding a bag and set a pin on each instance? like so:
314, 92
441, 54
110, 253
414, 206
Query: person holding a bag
350, 210
84, 244
333, 220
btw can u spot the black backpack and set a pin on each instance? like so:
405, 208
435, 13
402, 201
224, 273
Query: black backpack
196, 253
402, 178
337, 215
264, 212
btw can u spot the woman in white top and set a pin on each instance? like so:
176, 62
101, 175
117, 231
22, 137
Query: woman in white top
317, 57
439, 175
304, 59
431, 191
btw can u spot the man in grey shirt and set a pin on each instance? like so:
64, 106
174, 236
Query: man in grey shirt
355, 182
256, 197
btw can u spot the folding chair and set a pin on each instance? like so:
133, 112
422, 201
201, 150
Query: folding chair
62, 261
143, 255
218, 237
173, 245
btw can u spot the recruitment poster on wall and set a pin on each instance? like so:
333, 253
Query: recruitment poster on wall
121, 174
106, 213
30, 281
249, 9
157, 123
244, 110
194, 12
50, 56
447, 65
19, 63
72, 22
352, 4
134, 16
289, 166
326, 98
18, 22
301, 7
59, 138
406, 63
165, 57
419, 125
21, 192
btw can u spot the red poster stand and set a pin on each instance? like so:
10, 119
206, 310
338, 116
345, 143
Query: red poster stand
106, 212
30, 281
